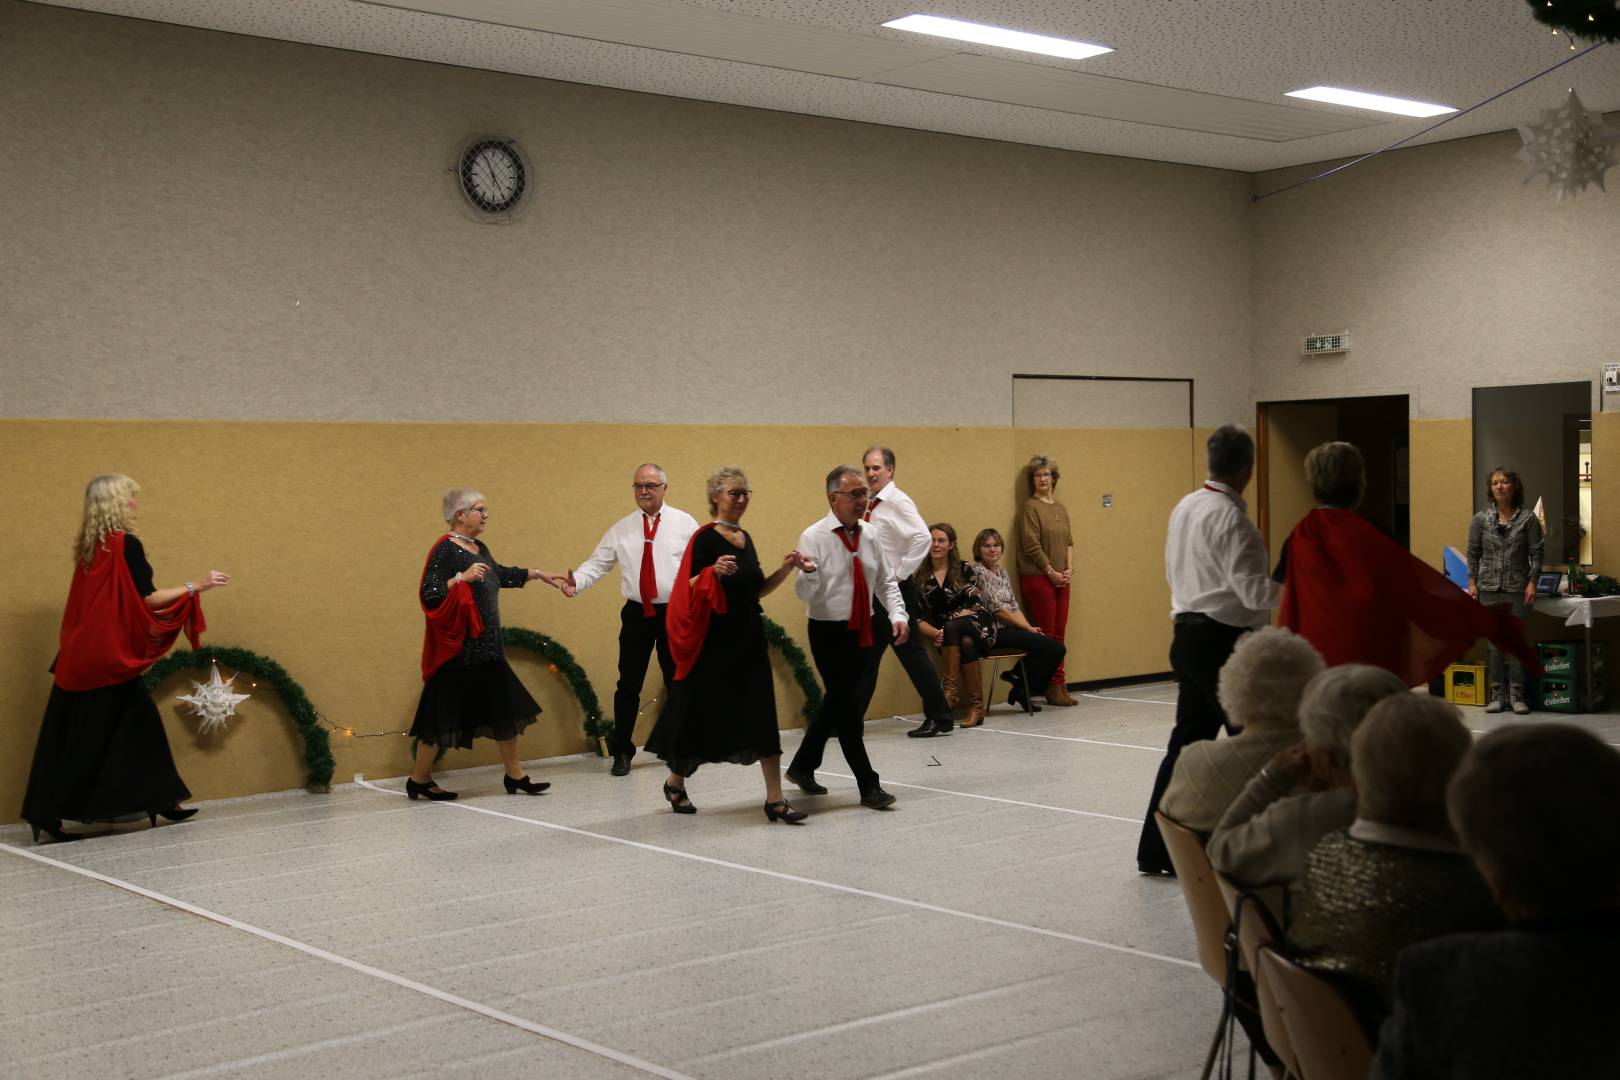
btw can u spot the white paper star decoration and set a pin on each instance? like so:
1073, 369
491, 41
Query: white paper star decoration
1572, 146
212, 701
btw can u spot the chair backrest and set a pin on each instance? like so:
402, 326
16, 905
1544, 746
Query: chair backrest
1326, 1037
1252, 918
1210, 920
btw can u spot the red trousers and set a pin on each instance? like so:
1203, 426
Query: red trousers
1046, 606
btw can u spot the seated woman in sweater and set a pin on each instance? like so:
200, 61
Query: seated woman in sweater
1260, 688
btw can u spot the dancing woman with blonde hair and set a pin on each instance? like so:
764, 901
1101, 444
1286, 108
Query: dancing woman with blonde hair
102, 753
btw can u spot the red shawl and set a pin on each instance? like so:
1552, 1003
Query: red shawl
1360, 597
448, 625
109, 635
686, 620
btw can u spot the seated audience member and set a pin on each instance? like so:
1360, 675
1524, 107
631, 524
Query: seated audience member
953, 618
1260, 687
1043, 654
1538, 810
1304, 792
1395, 877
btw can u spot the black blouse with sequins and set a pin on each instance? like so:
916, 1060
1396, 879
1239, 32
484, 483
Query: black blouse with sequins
449, 559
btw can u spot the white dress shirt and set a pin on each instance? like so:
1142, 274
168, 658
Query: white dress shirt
901, 531
623, 543
827, 591
1215, 560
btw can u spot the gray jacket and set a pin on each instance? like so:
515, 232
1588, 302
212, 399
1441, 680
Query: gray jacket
1504, 558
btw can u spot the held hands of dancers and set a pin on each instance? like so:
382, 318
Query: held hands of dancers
800, 560
569, 587
556, 581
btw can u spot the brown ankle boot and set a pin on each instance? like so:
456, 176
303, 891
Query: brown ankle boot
950, 676
1058, 694
973, 690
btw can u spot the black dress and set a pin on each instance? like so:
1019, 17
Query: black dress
477, 694
725, 709
102, 754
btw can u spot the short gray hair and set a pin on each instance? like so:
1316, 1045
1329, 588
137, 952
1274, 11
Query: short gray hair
1261, 683
1402, 756
835, 479
663, 477
1335, 701
725, 474
1337, 474
458, 499
1229, 451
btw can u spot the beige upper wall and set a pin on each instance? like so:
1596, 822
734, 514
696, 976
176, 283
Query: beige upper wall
1448, 272
247, 228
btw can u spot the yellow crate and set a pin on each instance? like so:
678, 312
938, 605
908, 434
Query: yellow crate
1465, 684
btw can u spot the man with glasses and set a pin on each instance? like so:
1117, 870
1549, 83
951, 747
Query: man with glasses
903, 535
647, 545
841, 567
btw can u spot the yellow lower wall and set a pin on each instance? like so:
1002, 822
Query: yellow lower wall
324, 527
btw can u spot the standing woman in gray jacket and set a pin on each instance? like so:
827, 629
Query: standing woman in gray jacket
1504, 557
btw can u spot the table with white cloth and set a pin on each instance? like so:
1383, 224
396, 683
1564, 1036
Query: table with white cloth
1580, 611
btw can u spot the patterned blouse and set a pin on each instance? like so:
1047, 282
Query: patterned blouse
940, 601
995, 588
450, 558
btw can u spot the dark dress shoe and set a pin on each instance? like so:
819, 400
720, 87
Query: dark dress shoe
877, 799
429, 790
783, 812
925, 730
525, 785
173, 813
1152, 870
54, 831
621, 765
1016, 696
806, 784
943, 727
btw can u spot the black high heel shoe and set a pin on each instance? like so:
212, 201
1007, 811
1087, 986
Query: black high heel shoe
1017, 696
54, 831
782, 811
524, 785
678, 801
429, 790
173, 813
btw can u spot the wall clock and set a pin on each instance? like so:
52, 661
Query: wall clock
495, 179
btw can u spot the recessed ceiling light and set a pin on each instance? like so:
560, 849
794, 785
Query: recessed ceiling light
1376, 102
996, 35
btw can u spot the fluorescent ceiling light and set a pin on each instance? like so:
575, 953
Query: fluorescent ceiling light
1376, 102
996, 35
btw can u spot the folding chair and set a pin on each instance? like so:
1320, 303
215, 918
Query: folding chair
1325, 1034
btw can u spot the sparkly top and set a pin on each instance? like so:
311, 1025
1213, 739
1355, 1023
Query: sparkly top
449, 559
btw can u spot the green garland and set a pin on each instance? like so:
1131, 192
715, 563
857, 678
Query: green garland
597, 726
800, 666
317, 747
1598, 20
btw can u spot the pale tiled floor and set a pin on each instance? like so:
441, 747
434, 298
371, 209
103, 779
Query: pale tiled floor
991, 926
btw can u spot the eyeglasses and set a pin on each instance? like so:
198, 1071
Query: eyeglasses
740, 493
861, 494
477, 510
648, 487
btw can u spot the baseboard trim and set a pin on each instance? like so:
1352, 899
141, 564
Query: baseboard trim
1123, 680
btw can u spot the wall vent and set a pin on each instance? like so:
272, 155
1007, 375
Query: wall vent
1323, 344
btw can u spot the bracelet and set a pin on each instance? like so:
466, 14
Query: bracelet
190, 588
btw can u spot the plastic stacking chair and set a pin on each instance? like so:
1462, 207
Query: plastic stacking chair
1212, 926
1327, 1039
1016, 658
1255, 924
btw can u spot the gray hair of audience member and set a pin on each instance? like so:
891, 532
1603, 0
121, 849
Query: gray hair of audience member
459, 499
719, 480
1335, 701
1262, 682
835, 479
888, 455
1337, 475
1402, 756
1229, 451
1538, 809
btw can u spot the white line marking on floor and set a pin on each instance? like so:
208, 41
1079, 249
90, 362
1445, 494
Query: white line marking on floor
1073, 738
994, 798
1138, 700
833, 886
355, 965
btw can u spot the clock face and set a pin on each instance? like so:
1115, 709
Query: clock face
492, 176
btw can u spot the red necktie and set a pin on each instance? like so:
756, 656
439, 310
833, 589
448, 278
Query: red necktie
860, 601
649, 579
869, 508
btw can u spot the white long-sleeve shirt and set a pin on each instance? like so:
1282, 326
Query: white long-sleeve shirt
827, 592
1215, 559
623, 544
901, 531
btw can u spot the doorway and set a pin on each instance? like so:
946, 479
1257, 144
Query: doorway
1377, 426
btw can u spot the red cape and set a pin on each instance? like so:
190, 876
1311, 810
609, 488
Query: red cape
1361, 598
109, 635
686, 620
448, 625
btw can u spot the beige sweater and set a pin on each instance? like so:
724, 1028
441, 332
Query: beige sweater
1211, 773
1043, 537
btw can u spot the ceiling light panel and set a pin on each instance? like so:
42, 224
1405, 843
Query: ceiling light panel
1377, 102
1000, 37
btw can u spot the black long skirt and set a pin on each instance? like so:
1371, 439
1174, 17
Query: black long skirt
462, 702
102, 755
725, 709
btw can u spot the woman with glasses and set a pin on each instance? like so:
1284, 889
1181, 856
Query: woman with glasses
722, 706
1046, 563
470, 690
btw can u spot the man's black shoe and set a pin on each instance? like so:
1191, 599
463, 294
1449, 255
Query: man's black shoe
805, 784
621, 765
877, 799
925, 730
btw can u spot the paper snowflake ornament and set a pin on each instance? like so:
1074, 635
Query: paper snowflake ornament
212, 702
1572, 146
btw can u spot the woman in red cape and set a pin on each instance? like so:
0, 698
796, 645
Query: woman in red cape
102, 754
1360, 597
722, 705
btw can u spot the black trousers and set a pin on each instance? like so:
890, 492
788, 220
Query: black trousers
1197, 650
1045, 654
638, 636
913, 657
844, 666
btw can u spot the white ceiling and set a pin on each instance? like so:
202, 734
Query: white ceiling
1193, 81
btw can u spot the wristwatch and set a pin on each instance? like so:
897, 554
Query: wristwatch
190, 588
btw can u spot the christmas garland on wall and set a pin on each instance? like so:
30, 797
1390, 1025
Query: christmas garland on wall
561, 662
317, 747
800, 667
1598, 20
